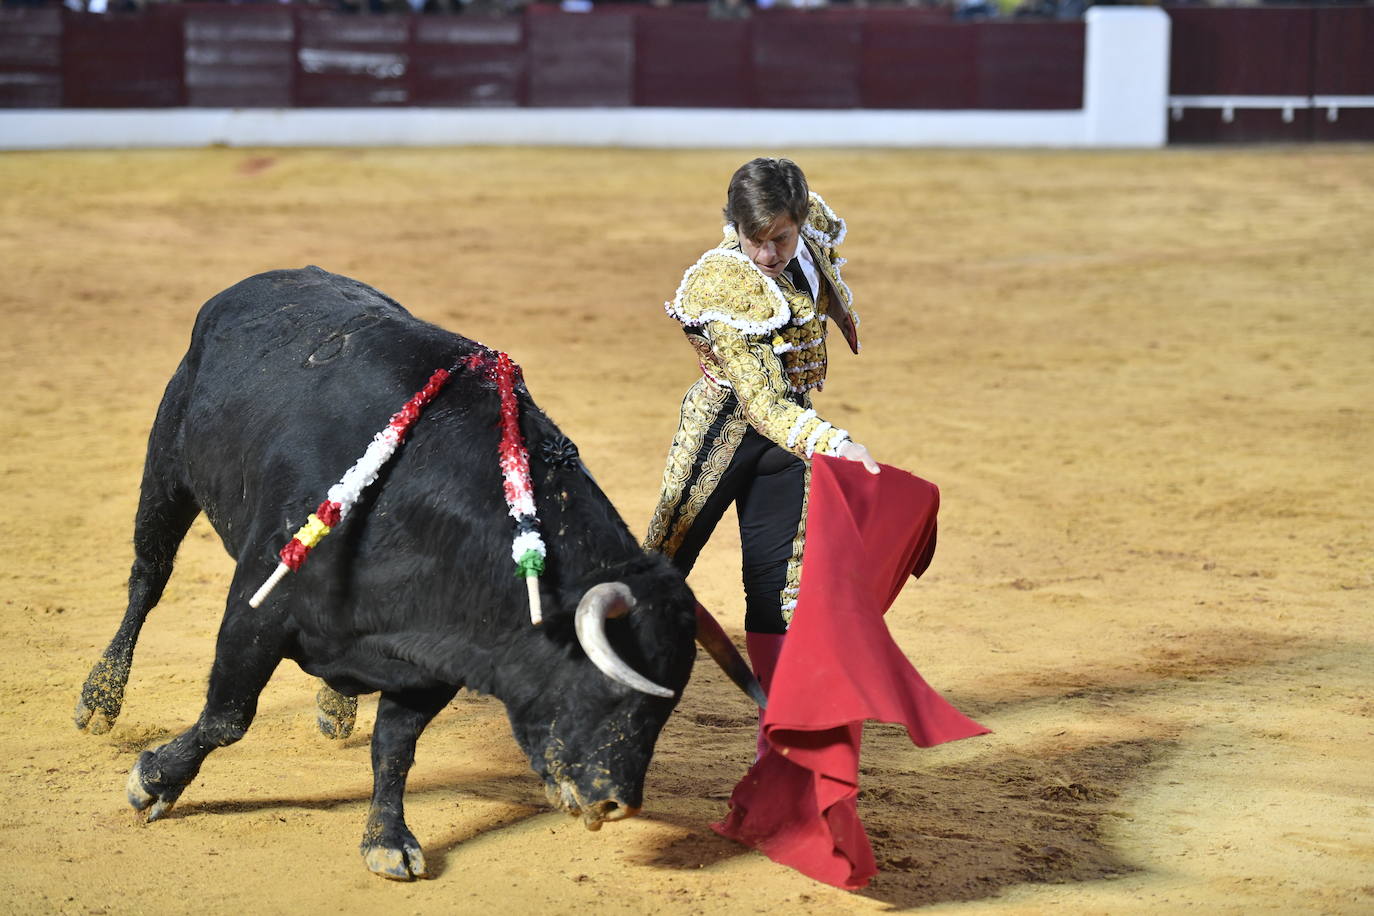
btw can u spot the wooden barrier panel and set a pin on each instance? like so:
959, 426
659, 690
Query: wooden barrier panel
30, 58
1030, 66
1344, 65
1223, 51
685, 60
1002, 66
123, 60
1220, 51
581, 59
239, 57
915, 64
806, 61
210, 55
352, 61
468, 62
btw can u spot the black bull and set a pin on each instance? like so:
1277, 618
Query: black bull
288, 376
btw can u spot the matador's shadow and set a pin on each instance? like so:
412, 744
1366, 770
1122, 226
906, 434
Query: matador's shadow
1029, 814
963, 831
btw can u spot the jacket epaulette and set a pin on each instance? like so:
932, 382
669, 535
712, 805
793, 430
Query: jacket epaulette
723, 285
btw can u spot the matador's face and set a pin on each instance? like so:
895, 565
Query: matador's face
775, 247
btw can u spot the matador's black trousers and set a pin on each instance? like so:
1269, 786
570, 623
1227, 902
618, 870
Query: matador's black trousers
767, 485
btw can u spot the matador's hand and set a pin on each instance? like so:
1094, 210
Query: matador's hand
853, 451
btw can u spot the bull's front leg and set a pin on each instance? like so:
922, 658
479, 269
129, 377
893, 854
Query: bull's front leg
388, 846
247, 651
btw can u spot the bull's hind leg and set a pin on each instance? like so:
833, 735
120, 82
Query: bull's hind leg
388, 846
335, 713
166, 509
248, 650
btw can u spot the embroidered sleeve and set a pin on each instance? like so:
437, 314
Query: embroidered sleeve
724, 287
756, 374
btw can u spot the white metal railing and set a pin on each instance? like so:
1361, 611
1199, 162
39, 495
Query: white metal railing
1287, 103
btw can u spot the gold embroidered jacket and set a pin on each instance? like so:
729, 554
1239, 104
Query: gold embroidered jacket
765, 339
764, 342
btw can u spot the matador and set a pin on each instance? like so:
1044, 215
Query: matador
757, 309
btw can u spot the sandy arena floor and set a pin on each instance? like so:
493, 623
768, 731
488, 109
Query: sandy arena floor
1144, 382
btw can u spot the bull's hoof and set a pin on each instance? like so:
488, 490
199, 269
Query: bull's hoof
335, 713
102, 697
404, 864
150, 801
94, 721
394, 853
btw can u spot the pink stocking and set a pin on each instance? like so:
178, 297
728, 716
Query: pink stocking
763, 649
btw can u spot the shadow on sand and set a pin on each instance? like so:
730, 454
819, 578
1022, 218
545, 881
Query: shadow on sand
964, 831
1038, 813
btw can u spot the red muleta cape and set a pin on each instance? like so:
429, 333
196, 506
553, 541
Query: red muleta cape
866, 534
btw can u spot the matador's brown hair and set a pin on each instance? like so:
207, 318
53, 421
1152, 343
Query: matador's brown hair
762, 190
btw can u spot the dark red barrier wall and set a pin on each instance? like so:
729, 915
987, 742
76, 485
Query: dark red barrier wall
1287, 51
1344, 66
809, 61
216, 55
240, 57
352, 61
684, 60
1005, 66
581, 60
461, 61
123, 61
30, 58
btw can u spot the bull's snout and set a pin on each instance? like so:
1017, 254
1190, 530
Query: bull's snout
564, 794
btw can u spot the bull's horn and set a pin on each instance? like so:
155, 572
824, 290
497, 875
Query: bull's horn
609, 599
723, 651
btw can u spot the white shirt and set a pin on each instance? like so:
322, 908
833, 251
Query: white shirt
808, 266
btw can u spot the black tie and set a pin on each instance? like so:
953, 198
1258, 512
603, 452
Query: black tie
798, 278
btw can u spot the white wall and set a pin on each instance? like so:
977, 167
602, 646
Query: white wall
1126, 77
1125, 80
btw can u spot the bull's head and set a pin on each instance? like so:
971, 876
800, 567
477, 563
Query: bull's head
594, 739
588, 734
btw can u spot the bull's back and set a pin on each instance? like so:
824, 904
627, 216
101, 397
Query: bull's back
303, 318
290, 373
